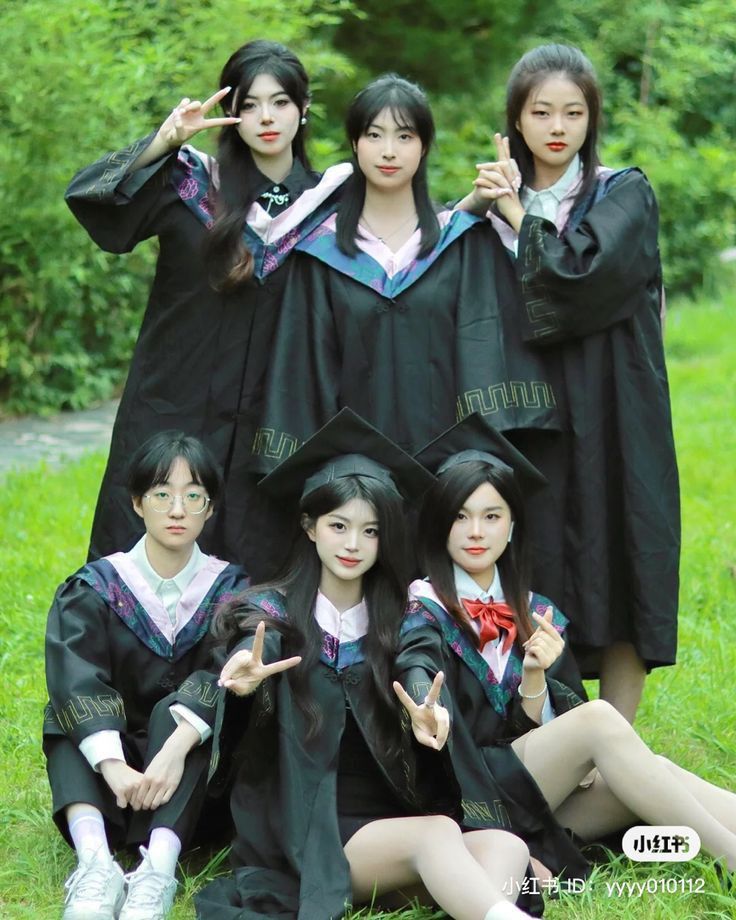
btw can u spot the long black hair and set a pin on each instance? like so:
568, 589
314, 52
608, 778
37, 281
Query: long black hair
439, 511
384, 589
231, 262
151, 463
410, 108
531, 70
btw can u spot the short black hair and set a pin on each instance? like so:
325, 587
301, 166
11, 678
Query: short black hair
152, 461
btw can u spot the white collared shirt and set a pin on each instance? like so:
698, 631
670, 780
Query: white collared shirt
168, 590
347, 626
545, 202
106, 744
492, 652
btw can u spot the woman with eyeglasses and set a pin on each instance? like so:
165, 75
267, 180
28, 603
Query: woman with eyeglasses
123, 633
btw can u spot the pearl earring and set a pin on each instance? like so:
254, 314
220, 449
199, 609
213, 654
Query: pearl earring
303, 120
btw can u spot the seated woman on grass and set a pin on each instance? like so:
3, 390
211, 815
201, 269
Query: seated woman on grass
341, 794
124, 632
503, 650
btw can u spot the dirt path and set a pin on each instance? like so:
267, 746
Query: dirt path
24, 442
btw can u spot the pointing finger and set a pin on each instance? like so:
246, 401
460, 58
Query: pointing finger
501, 151
434, 691
279, 666
257, 649
215, 98
406, 701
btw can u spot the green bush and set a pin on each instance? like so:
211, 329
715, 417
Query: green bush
88, 77
82, 79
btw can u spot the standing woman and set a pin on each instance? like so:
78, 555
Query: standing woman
404, 314
588, 262
224, 228
342, 794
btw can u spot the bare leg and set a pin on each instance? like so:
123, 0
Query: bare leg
622, 678
395, 853
561, 752
594, 811
720, 802
504, 857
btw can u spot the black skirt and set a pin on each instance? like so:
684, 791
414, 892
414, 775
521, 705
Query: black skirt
363, 793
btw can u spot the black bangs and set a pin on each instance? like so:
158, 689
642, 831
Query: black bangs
151, 464
264, 57
406, 102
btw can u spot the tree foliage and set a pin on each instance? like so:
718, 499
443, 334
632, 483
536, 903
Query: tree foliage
91, 76
84, 78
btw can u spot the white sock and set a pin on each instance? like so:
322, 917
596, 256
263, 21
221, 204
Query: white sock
163, 850
505, 910
88, 835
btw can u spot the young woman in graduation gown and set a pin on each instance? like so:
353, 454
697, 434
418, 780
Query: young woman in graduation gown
340, 793
404, 314
587, 257
224, 227
123, 633
522, 735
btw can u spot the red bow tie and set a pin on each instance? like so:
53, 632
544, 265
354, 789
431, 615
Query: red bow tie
493, 618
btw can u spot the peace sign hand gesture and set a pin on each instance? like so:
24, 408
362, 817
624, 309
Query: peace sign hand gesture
544, 646
188, 118
500, 181
430, 721
244, 671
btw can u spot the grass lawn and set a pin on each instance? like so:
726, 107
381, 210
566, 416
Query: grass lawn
688, 712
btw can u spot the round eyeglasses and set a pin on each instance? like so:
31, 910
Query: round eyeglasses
162, 501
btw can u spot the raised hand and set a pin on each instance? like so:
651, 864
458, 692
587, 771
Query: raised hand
188, 118
544, 646
500, 181
245, 670
430, 721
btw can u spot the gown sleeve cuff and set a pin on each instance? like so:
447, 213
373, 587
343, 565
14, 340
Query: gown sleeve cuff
129, 183
548, 710
103, 745
181, 713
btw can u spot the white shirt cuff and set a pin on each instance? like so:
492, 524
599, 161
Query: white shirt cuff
180, 713
548, 710
99, 746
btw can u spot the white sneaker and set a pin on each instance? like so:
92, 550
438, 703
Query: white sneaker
95, 891
150, 893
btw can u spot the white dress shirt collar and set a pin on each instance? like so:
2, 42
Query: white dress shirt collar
467, 586
168, 590
544, 202
347, 626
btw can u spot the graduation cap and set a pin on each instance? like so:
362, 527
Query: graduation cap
348, 446
474, 439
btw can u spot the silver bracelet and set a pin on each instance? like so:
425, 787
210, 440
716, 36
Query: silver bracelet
532, 696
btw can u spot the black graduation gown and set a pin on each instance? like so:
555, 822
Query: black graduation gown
287, 856
497, 788
591, 298
412, 353
201, 355
108, 666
